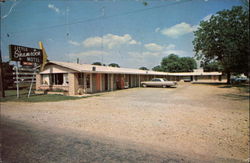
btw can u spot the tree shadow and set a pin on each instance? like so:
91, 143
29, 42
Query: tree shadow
236, 96
211, 83
244, 87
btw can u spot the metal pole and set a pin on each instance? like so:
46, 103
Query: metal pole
17, 82
32, 81
2, 94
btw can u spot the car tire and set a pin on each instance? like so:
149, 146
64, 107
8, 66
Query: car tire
164, 86
144, 85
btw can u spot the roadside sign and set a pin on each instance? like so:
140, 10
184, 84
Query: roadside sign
25, 54
27, 63
31, 59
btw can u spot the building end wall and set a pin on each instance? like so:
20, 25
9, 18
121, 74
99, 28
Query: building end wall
38, 81
73, 84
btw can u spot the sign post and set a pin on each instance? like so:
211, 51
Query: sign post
33, 77
17, 81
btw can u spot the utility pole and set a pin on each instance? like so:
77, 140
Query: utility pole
2, 94
102, 30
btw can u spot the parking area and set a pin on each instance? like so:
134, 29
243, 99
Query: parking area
196, 121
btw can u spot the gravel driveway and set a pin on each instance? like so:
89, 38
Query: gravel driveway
190, 123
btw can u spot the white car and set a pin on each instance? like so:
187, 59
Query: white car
159, 82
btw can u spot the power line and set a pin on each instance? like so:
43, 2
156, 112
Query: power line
101, 17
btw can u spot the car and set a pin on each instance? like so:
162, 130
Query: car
159, 82
239, 79
187, 80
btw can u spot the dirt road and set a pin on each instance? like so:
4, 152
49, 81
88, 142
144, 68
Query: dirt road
192, 123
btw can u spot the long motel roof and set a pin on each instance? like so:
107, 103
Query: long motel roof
87, 68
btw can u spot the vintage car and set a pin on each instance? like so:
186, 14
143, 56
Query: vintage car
159, 82
187, 80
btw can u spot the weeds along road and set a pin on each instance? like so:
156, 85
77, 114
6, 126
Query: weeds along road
192, 123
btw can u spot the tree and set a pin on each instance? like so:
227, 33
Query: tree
225, 39
143, 68
97, 63
114, 65
173, 63
8, 75
157, 68
212, 66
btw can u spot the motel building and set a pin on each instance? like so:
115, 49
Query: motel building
79, 79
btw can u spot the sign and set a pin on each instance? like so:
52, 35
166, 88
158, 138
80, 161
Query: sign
25, 54
27, 63
45, 56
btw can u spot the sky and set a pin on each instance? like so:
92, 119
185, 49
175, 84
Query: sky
126, 32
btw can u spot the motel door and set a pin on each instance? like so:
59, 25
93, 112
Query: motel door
106, 82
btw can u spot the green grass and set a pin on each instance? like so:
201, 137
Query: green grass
10, 95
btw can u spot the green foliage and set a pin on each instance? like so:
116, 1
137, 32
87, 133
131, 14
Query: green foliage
173, 63
143, 68
212, 66
11, 96
225, 38
97, 63
157, 68
114, 65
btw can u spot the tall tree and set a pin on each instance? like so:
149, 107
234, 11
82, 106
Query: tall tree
114, 65
157, 68
212, 66
225, 38
173, 63
143, 68
8, 80
97, 63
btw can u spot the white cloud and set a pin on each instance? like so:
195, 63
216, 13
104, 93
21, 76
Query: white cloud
157, 29
157, 48
142, 55
110, 41
153, 47
170, 46
54, 8
74, 43
206, 18
178, 30
89, 53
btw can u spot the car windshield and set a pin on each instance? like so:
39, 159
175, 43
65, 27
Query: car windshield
165, 79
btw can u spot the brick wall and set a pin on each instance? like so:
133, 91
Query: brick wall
38, 81
73, 84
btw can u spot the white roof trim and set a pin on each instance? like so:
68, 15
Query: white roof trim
87, 68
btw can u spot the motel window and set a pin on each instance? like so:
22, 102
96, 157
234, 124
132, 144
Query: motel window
65, 79
57, 79
45, 79
81, 79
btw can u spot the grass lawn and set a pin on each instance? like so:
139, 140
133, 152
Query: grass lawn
10, 95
